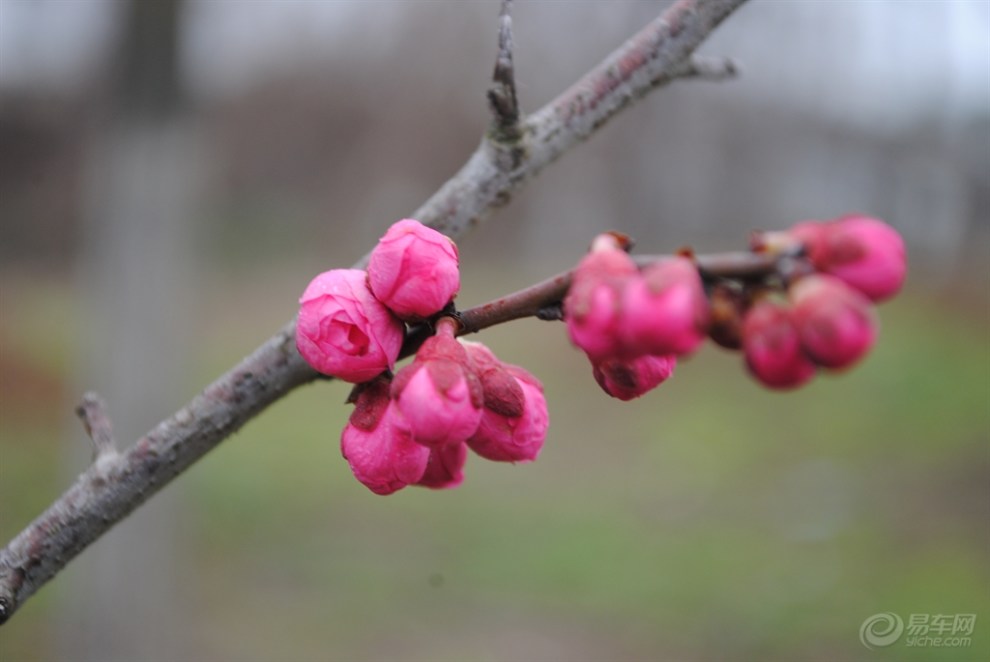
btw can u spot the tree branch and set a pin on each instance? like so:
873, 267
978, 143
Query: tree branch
534, 300
117, 484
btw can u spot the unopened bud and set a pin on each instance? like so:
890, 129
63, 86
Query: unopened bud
772, 347
343, 330
626, 379
382, 457
592, 304
664, 311
414, 270
438, 395
835, 323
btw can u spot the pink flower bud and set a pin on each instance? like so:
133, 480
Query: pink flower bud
413, 270
626, 379
835, 323
342, 330
665, 311
772, 347
445, 469
383, 458
514, 422
501, 391
865, 253
438, 395
592, 305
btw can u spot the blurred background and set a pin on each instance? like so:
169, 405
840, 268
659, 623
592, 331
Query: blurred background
173, 173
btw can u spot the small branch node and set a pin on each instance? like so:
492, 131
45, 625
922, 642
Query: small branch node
502, 94
707, 67
92, 411
553, 312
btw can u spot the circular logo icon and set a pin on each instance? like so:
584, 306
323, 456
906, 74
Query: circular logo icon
881, 629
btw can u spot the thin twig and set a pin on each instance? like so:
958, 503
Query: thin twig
708, 67
109, 490
92, 411
502, 94
651, 58
542, 299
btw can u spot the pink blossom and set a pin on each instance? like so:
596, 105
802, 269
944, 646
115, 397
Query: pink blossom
626, 379
863, 252
592, 307
664, 311
445, 468
772, 346
514, 422
382, 457
835, 323
438, 396
413, 270
343, 331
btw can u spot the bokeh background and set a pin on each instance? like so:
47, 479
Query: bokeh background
172, 173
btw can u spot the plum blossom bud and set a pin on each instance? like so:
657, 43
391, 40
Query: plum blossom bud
445, 468
835, 323
592, 307
772, 347
438, 395
863, 252
383, 458
514, 422
626, 379
413, 270
343, 330
665, 311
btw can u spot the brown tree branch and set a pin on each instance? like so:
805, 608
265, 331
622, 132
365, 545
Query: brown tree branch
532, 301
120, 482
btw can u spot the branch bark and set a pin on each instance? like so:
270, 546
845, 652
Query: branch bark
121, 481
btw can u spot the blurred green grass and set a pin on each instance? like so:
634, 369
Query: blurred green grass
711, 519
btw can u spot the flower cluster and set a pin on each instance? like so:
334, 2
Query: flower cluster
415, 428
814, 311
800, 301
634, 324
863, 252
825, 317
350, 322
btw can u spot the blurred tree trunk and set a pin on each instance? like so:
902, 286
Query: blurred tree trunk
123, 600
